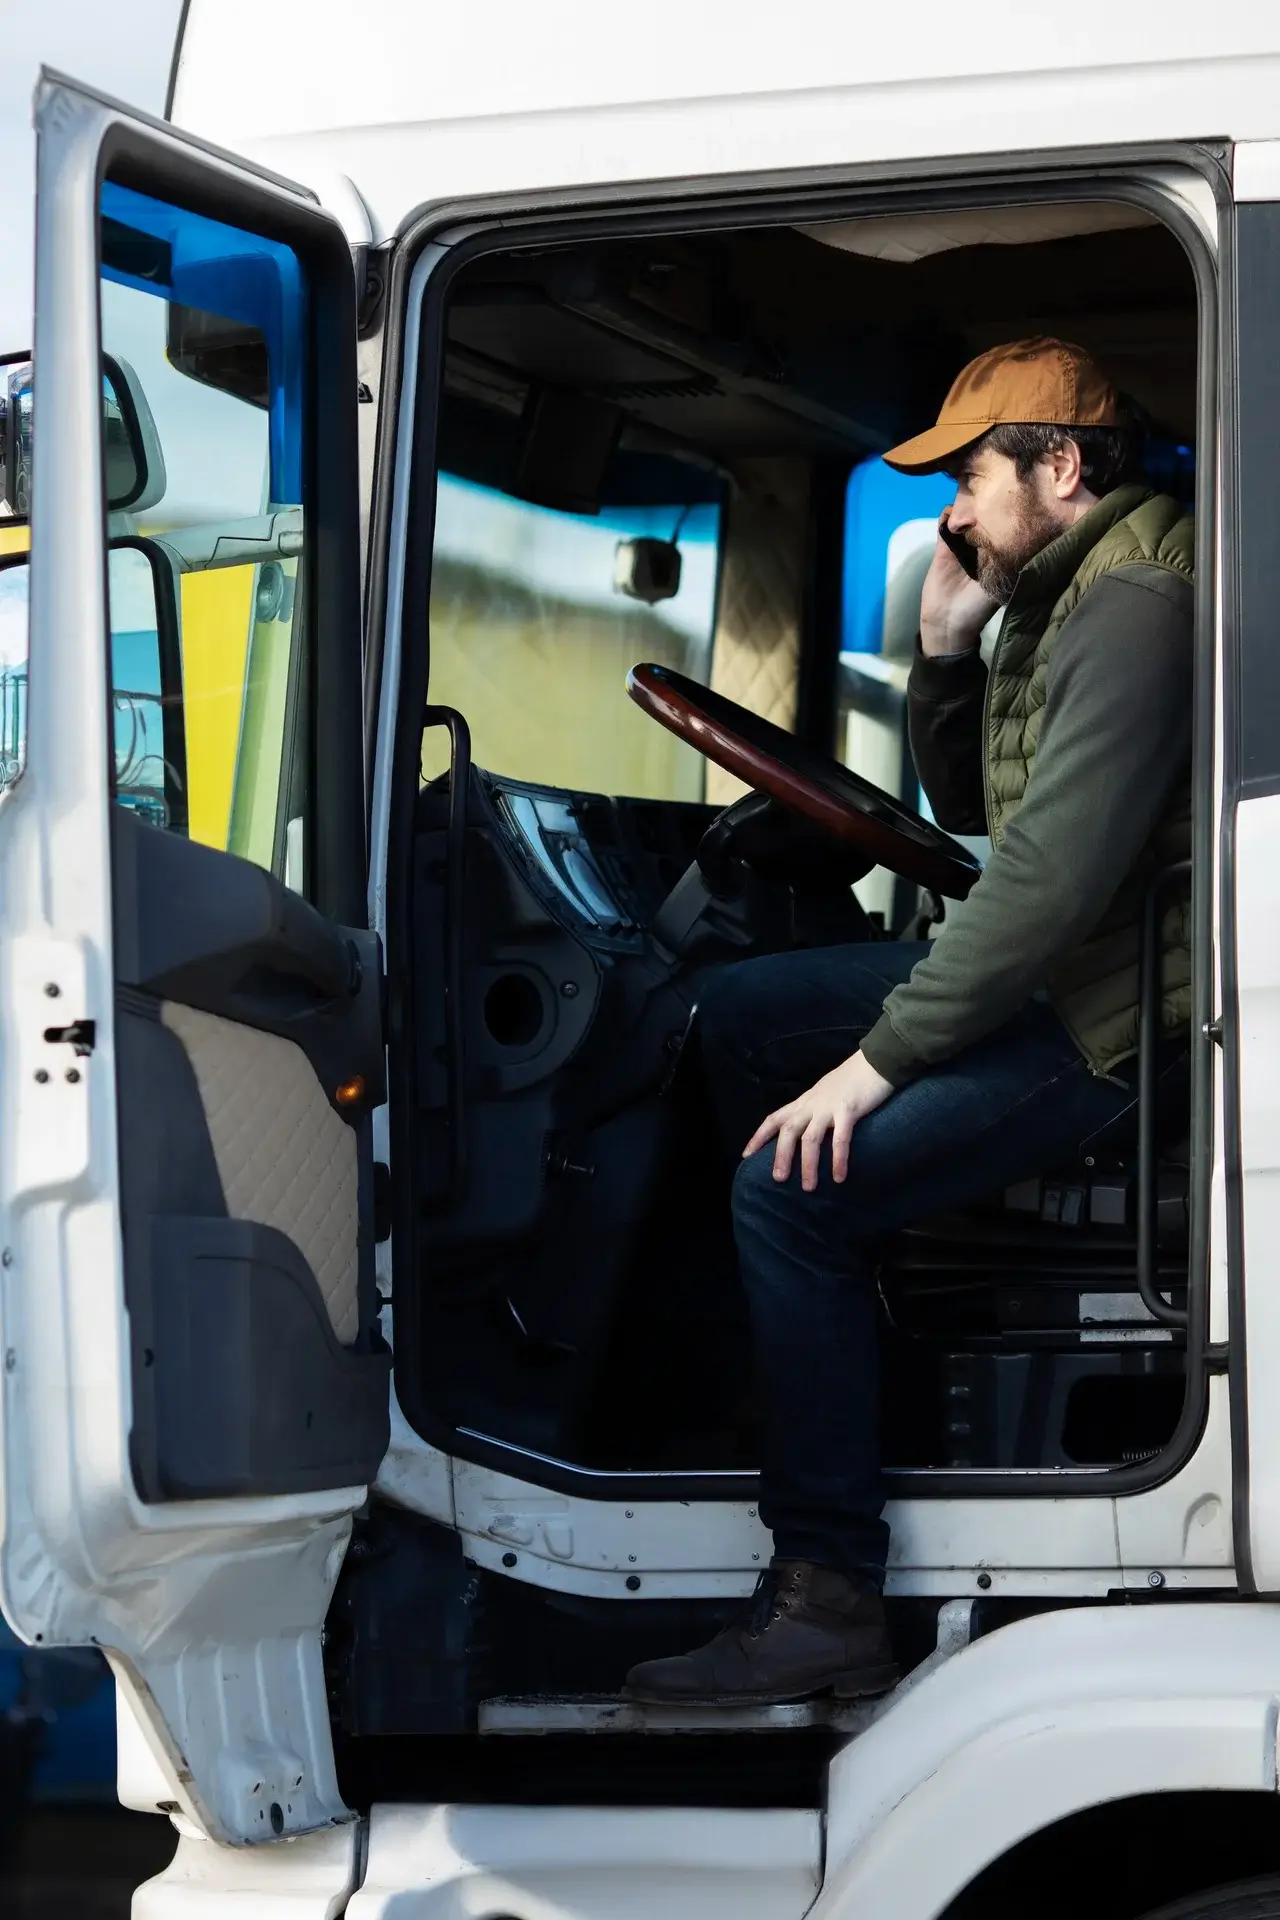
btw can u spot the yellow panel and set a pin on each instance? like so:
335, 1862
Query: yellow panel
258, 768
15, 539
215, 642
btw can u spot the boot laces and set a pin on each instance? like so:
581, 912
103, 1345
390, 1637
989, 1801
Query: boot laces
767, 1603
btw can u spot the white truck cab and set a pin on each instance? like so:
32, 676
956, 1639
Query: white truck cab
375, 1389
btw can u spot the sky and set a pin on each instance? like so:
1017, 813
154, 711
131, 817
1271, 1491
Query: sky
122, 48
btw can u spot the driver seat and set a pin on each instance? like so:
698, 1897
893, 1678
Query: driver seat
1020, 1322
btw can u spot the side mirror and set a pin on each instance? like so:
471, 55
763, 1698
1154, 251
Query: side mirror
150, 770
15, 438
134, 462
647, 569
136, 478
228, 355
14, 581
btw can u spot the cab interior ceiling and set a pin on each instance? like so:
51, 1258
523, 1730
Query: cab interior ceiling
715, 347
582, 1252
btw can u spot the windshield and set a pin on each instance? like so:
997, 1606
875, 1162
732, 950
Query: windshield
532, 637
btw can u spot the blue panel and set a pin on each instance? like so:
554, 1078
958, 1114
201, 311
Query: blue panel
878, 502
1171, 469
72, 1696
78, 1757
229, 271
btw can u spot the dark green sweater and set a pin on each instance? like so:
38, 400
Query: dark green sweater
1115, 741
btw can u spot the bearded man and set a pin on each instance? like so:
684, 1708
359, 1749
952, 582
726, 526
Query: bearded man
866, 1087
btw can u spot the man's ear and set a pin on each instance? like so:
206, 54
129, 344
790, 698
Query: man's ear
1065, 469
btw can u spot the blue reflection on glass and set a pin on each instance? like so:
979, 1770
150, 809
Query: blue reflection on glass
222, 270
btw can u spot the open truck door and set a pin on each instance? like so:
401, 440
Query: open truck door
195, 1392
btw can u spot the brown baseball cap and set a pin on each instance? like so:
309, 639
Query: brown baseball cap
1028, 380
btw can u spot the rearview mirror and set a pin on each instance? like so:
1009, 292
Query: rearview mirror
646, 569
134, 463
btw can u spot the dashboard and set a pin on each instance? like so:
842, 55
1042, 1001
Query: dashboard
601, 867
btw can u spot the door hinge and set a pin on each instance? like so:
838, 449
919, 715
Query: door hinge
1213, 1029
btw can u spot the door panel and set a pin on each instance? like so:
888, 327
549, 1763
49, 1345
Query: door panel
195, 1390
286, 1160
248, 1310
209, 358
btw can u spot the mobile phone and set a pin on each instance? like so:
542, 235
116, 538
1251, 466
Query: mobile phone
961, 548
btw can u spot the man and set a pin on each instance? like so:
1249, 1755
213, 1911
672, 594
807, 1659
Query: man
876, 1085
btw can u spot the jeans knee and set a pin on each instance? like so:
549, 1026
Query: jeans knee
760, 1203
781, 1230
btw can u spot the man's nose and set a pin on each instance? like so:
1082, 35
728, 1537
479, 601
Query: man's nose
960, 515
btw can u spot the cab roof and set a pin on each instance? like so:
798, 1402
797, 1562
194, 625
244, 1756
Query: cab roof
414, 103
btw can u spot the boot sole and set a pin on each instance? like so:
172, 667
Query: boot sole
866, 1685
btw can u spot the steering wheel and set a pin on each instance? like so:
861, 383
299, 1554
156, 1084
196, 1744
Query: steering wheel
811, 784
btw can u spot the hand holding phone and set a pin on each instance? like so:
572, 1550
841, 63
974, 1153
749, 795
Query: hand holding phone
954, 608
960, 547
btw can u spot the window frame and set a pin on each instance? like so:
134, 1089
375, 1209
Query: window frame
443, 239
335, 834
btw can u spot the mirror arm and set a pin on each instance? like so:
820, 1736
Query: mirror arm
266, 536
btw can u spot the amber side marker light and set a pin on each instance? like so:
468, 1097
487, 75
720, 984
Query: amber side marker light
350, 1093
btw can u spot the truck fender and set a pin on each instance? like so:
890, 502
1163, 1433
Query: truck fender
1038, 1721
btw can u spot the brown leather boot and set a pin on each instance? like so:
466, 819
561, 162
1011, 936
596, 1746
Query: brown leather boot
809, 1630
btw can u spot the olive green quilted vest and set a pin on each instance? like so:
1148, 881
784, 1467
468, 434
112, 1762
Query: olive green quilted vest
1095, 992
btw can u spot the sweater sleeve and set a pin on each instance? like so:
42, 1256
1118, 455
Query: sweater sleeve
945, 696
1116, 735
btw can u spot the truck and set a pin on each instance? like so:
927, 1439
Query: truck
463, 603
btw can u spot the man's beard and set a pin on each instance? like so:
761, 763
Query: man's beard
999, 567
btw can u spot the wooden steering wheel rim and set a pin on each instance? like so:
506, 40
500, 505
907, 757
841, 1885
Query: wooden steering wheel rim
774, 762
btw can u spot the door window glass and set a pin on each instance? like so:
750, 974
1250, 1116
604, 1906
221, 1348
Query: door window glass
202, 410
537, 616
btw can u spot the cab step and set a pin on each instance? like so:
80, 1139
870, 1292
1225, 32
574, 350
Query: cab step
511, 1714
606, 1713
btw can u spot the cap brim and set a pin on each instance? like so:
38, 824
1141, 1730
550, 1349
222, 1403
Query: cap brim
933, 449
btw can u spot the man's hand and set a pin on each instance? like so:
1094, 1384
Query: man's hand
834, 1106
953, 608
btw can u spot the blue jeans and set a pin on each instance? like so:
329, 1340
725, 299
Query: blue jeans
999, 1112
